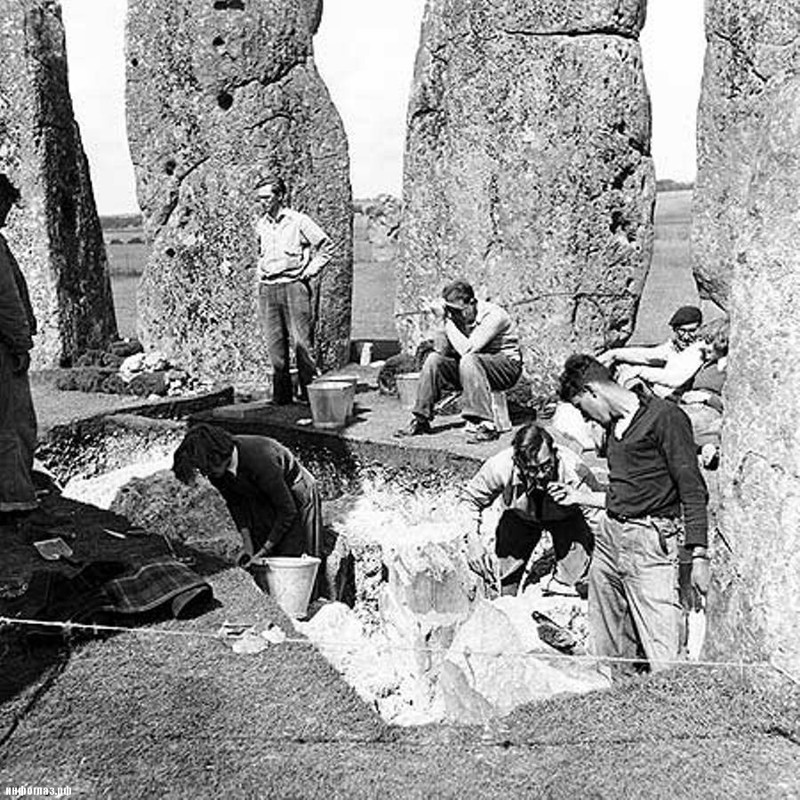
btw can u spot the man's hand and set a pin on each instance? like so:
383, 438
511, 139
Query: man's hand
20, 362
562, 494
481, 561
265, 550
438, 309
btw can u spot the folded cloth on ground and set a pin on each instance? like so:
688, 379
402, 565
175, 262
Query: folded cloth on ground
157, 583
105, 589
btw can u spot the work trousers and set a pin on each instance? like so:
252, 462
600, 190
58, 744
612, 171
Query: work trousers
286, 314
516, 536
17, 438
477, 375
634, 608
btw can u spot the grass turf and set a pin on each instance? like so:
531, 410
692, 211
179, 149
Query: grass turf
146, 716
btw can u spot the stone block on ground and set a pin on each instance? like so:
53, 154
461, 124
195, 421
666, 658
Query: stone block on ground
492, 668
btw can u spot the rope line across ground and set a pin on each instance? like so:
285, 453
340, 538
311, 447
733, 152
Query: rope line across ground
67, 627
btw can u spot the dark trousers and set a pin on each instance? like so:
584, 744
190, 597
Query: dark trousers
476, 374
17, 438
516, 536
286, 315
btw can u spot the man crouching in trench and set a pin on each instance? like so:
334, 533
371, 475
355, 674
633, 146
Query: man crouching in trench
272, 497
542, 487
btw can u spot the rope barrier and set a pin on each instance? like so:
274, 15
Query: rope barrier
67, 627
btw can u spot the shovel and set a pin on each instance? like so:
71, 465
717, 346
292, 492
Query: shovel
56, 550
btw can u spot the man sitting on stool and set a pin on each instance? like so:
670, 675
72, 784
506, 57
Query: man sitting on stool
477, 351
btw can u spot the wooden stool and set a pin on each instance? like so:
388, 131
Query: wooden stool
502, 420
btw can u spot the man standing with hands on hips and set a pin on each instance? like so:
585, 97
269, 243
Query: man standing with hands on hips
655, 494
293, 250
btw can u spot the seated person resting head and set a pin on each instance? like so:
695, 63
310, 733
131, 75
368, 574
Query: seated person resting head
477, 352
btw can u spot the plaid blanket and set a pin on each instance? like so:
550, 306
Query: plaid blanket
103, 590
155, 584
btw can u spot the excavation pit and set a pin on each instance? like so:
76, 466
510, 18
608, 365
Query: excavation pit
415, 637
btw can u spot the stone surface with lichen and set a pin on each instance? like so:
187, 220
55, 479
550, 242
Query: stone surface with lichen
752, 46
221, 94
55, 232
528, 170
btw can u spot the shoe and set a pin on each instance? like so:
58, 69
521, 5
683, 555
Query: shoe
417, 427
554, 634
484, 432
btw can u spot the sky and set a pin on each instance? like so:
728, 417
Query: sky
365, 53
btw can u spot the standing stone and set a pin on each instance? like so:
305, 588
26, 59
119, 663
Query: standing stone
220, 93
751, 44
756, 603
528, 170
56, 235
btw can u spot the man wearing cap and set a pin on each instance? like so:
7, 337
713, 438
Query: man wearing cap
665, 367
477, 351
293, 249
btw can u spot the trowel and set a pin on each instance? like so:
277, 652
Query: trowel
56, 550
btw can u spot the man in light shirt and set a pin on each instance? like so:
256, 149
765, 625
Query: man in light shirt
476, 350
293, 250
665, 367
541, 487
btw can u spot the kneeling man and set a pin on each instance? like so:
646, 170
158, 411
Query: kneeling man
541, 487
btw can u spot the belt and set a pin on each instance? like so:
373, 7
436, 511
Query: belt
625, 518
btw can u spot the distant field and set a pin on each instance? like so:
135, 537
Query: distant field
669, 283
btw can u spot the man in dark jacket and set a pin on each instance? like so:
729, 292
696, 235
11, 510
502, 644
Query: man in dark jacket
17, 417
273, 499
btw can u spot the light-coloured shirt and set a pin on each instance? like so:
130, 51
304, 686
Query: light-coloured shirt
493, 331
292, 247
680, 367
500, 478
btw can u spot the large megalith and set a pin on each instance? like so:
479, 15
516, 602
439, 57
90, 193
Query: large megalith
750, 45
56, 234
756, 602
528, 169
221, 93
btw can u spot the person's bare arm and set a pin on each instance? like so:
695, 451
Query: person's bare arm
654, 356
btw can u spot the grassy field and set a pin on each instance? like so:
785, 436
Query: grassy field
669, 284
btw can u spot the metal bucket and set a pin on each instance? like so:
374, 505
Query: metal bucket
289, 579
351, 381
329, 402
407, 384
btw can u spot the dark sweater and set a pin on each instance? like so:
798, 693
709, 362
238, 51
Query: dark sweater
260, 496
653, 470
